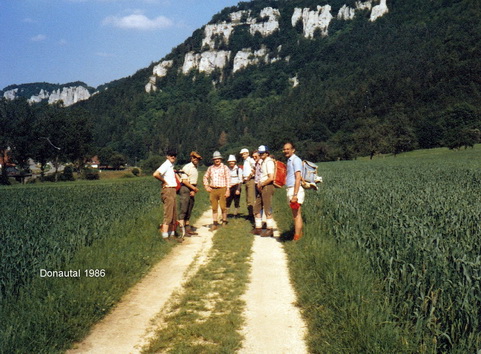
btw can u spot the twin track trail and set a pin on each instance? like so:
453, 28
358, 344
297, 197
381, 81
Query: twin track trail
273, 323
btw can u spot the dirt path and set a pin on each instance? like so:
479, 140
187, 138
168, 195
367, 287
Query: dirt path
273, 323
127, 327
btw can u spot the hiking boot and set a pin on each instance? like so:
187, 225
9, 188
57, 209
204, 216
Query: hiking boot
214, 227
267, 233
256, 231
189, 233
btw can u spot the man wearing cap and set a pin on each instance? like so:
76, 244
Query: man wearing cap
265, 188
295, 193
248, 172
235, 184
187, 192
165, 173
216, 182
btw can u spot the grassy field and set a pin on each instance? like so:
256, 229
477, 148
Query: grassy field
391, 258
105, 229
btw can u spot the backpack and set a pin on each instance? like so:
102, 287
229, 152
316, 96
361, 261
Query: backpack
309, 171
309, 176
280, 173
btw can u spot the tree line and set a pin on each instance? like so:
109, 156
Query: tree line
408, 80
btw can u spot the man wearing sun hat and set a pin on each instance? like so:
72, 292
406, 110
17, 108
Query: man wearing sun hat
235, 184
187, 192
265, 188
248, 172
216, 182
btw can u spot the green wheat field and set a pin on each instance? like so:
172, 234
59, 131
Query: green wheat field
390, 260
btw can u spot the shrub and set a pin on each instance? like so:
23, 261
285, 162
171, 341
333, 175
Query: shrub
136, 171
91, 174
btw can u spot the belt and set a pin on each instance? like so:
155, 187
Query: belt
169, 187
217, 187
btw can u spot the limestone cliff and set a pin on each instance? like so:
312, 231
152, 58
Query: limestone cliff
38, 92
214, 50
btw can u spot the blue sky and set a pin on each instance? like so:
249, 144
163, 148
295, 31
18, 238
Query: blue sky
95, 41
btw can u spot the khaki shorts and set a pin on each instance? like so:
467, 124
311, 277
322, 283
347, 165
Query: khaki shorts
264, 200
300, 194
217, 196
170, 210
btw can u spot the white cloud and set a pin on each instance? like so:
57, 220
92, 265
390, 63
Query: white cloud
38, 38
29, 20
62, 42
138, 21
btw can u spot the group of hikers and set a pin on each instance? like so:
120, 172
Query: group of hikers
224, 184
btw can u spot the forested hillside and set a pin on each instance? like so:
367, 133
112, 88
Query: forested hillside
408, 79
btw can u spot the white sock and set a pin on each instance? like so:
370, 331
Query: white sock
171, 233
270, 223
258, 223
165, 235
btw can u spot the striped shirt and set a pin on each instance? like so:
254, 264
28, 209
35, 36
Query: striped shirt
217, 176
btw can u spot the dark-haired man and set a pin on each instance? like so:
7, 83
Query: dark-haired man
165, 173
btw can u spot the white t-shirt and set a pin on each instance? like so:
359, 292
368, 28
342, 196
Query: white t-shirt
268, 167
166, 170
249, 165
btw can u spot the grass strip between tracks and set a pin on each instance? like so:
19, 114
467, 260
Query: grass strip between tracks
207, 316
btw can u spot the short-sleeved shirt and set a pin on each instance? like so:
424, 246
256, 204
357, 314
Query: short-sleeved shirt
190, 173
268, 167
249, 166
166, 170
294, 164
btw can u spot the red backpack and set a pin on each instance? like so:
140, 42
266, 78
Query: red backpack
280, 173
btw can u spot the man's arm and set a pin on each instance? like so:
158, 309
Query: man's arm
158, 176
205, 180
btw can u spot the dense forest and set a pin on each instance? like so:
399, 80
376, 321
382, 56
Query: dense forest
410, 79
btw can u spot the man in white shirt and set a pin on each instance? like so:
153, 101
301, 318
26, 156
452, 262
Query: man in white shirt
265, 188
165, 173
248, 172
187, 192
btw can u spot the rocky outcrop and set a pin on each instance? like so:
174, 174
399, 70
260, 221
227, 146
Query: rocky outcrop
269, 26
219, 31
161, 69
346, 13
43, 95
247, 57
10, 94
378, 11
366, 5
69, 95
206, 61
151, 85
313, 20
